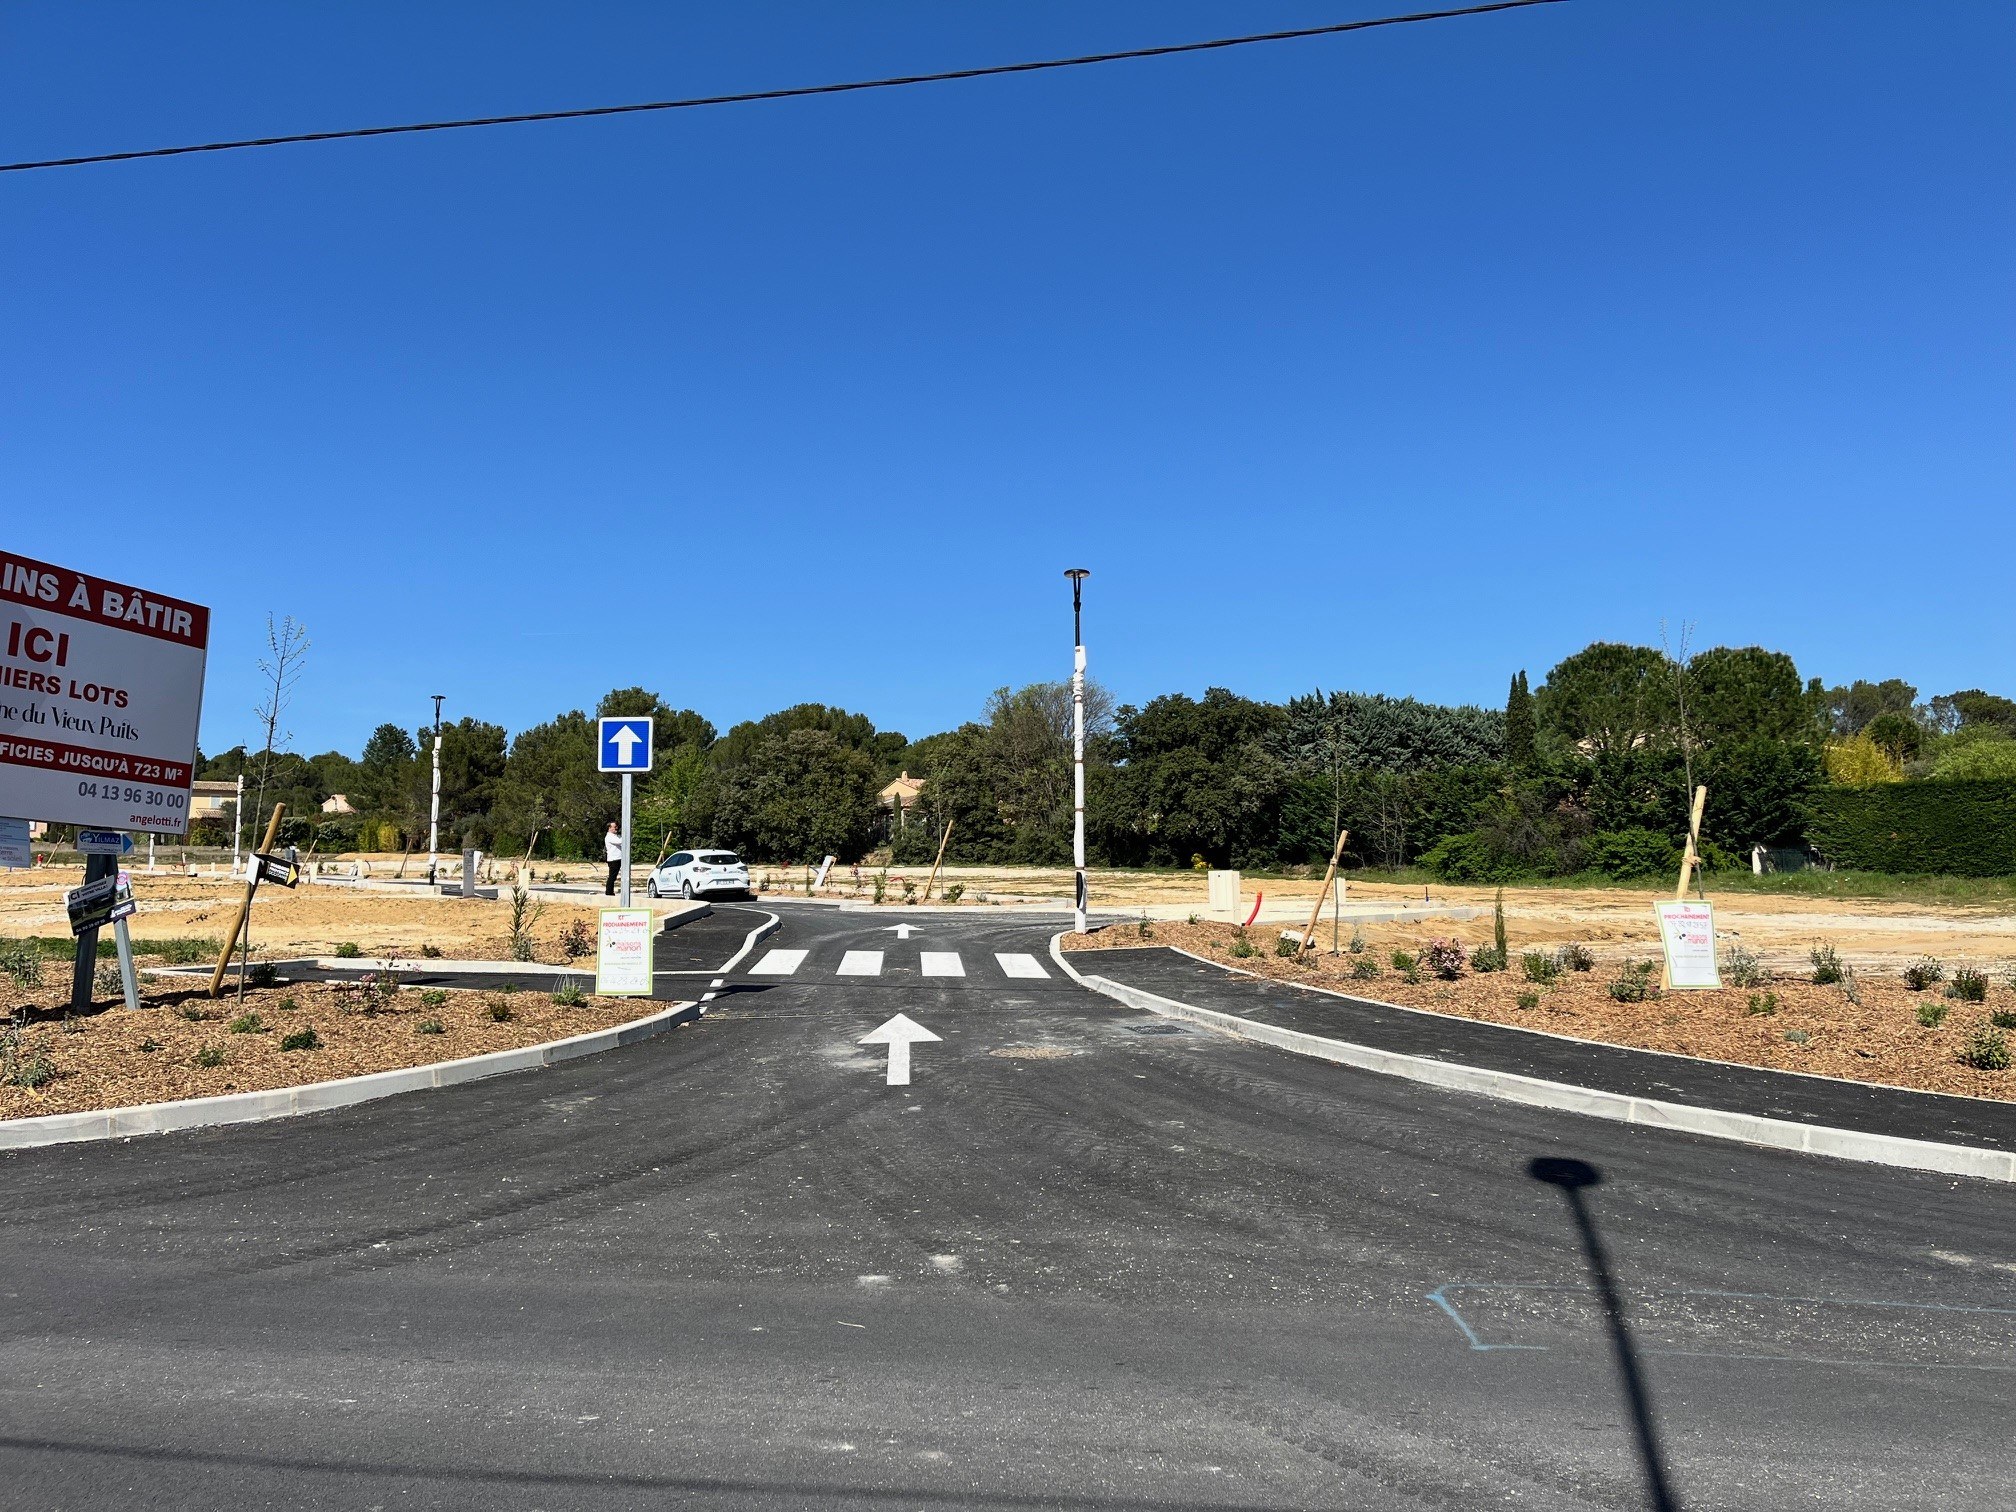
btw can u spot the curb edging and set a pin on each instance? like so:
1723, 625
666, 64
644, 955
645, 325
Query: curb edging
1532, 1091
316, 1097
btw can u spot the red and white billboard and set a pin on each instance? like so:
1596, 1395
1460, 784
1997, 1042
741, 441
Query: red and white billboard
101, 687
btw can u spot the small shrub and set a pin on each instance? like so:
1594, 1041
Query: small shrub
1797, 1036
1401, 962
302, 1039
1193, 918
22, 961
1540, 967
881, 881
246, 1023
148, 1046
1364, 968
431, 952
1826, 961
508, 988
909, 889
1574, 957
1498, 941
1968, 986
212, 1056
1740, 968
1241, 946
570, 995
1486, 959
1443, 958
287, 1005
955, 892
1932, 1015
577, 940
500, 1013
1284, 946
1986, 1049
1142, 931
182, 952
1923, 973
1529, 999
430, 1026
2003, 1018
106, 981
1357, 945
433, 997
1763, 1004
192, 1013
261, 974
348, 951
1634, 983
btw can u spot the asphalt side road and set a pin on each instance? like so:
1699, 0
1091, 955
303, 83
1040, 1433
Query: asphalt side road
1087, 1259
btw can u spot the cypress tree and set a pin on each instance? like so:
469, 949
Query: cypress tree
1519, 725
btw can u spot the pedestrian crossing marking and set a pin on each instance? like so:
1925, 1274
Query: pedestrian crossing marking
861, 963
941, 963
1015, 964
779, 963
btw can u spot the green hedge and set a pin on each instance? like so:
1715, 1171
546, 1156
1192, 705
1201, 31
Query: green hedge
1965, 829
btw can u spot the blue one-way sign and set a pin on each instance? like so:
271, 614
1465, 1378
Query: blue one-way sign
625, 743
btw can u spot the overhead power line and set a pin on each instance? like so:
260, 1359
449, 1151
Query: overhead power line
800, 92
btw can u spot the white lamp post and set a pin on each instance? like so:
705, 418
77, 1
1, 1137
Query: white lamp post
1078, 576
434, 816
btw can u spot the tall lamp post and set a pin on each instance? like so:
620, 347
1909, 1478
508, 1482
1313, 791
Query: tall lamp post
1078, 576
434, 814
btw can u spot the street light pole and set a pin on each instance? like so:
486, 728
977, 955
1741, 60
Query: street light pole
434, 816
1078, 576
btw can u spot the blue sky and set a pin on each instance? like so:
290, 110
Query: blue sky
1396, 361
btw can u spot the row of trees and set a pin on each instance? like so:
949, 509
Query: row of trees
1591, 769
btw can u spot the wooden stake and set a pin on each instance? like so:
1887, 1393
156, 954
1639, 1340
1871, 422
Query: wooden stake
245, 906
943, 841
1336, 855
1691, 857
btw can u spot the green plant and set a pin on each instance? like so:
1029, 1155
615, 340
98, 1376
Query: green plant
1487, 958
1357, 945
1142, 931
1529, 999
1192, 919
1963, 829
246, 1023
1932, 1014
212, 1056
348, 951
1634, 983
1575, 957
881, 882
430, 1026
954, 892
1540, 967
182, 951
1763, 1004
1401, 961
287, 1005
1442, 958
433, 997
302, 1039
148, 1046
2003, 1018
18, 1069
1797, 1036
431, 951
1241, 946
1968, 986
192, 1013
525, 916
1986, 1049
107, 981
1741, 969
508, 988
1498, 941
570, 995
500, 1013
21, 960
261, 974
1826, 963
1285, 945
577, 940
1924, 972
1364, 968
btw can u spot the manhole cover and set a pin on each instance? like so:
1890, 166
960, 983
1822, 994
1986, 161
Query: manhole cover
1157, 1029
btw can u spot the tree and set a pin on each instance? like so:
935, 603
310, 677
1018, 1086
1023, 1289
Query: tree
1748, 693
550, 784
854, 731
1859, 762
1990, 756
1519, 725
1757, 792
385, 770
1974, 707
286, 650
670, 727
472, 766
1196, 777
1849, 709
797, 797
1609, 699
1898, 736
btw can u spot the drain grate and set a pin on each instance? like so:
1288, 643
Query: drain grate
1156, 1029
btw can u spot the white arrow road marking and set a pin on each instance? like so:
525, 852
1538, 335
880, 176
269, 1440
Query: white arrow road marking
903, 931
861, 963
899, 1034
941, 963
778, 963
1016, 965
625, 740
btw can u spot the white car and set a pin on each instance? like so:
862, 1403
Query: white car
690, 874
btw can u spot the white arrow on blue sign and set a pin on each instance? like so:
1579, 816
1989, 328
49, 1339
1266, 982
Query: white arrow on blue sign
625, 744
92, 842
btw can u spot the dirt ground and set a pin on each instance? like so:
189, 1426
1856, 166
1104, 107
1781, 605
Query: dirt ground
182, 1044
1816, 1029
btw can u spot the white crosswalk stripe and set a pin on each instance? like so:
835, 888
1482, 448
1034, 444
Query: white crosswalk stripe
861, 963
779, 963
941, 963
1015, 964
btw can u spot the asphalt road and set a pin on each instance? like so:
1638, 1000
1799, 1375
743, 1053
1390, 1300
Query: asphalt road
1082, 1262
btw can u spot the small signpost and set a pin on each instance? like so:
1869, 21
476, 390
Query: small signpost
15, 848
98, 842
1687, 930
623, 953
624, 745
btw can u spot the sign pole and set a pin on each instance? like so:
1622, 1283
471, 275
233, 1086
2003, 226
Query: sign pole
626, 839
96, 869
127, 979
1077, 576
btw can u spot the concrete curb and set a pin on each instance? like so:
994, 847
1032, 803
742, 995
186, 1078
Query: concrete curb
769, 926
315, 1097
1714, 1123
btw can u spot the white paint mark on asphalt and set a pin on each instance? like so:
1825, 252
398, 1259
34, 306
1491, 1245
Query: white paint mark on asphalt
947, 1264
871, 1280
941, 963
778, 963
845, 1324
1016, 964
899, 1034
861, 963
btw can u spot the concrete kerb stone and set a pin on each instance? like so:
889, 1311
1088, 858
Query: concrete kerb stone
768, 927
314, 1097
1506, 1086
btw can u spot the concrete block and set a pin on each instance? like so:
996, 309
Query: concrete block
1222, 889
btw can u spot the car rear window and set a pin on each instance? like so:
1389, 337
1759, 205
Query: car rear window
719, 858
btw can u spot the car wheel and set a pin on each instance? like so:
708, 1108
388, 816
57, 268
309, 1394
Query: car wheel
686, 890
651, 888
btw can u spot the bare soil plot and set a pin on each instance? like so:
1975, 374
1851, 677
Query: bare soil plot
1819, 1030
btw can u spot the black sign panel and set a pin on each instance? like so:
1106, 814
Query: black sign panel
277, 869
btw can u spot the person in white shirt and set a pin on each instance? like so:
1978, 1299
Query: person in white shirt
612, 846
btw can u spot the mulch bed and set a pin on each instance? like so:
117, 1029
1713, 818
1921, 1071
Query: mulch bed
1821, 1030
117, 1058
